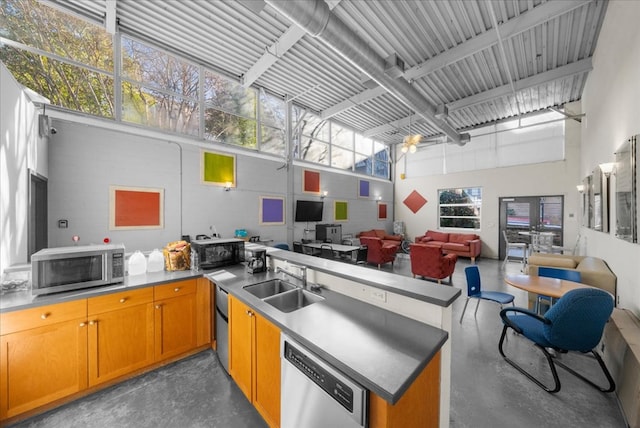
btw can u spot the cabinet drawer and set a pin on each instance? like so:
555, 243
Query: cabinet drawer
175, 289
41, 316
115, 301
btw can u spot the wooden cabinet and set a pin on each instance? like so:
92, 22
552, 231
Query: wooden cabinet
175, 311
419, 406
43, 355
254, 359
120, 334
205, 312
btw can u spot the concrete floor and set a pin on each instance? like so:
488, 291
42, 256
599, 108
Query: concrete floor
486, 392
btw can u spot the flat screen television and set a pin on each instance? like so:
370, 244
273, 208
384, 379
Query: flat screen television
309, 210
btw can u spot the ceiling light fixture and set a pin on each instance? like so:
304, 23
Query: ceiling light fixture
411, 141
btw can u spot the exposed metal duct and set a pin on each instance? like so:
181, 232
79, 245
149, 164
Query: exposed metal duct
315, 17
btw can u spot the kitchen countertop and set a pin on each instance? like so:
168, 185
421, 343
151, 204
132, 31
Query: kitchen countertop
381, 350
16, 300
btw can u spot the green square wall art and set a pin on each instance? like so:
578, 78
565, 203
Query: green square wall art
341, 210
218, 169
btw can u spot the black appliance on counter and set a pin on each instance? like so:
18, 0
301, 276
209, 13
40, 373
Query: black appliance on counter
214, 253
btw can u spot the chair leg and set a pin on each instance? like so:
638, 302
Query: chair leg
612, 384
552, 366
464, 309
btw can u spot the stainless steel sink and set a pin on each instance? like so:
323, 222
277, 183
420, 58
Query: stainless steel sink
269, 288
292, 300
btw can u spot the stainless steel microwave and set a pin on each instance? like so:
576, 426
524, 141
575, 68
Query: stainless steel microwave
73, 268
214, 253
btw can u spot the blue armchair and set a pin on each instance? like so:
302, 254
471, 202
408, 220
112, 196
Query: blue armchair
574, 323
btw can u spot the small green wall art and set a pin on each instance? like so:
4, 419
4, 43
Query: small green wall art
218, 169
341, 210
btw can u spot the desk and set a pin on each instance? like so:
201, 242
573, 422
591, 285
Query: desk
542, 285
339, 248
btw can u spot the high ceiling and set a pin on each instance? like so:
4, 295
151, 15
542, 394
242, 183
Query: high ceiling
466, 62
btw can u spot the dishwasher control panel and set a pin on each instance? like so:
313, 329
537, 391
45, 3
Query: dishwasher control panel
340, 392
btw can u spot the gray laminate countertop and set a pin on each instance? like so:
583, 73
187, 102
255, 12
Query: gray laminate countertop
379, 349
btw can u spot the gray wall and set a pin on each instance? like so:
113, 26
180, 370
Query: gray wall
84, 160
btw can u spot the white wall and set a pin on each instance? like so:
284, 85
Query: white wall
610, 101
21, 151
85, 159
541, 179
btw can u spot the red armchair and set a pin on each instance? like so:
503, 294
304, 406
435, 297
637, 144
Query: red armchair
429, 262
379, 252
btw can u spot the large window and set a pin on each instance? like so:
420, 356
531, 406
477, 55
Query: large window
460, 208
71, 61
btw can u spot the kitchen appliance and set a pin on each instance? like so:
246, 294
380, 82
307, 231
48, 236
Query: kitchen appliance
257, 262
73, 268
222, 327
316, 395
214, 253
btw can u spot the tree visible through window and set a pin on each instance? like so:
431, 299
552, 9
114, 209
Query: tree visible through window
460, 208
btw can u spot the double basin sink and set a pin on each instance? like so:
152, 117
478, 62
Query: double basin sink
282, 295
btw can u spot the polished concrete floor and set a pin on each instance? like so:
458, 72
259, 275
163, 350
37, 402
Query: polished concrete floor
486, 392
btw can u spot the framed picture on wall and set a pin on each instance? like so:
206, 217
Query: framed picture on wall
382, 211
135, 208
271, 211
218, 169
340, 211
311, 181
363, 189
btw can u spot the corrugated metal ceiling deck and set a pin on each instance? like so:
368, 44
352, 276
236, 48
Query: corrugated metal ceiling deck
454, 54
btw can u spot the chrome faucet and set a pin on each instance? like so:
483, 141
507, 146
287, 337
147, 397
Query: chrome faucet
302, 277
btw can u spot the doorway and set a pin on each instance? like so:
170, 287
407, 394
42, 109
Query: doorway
530, 213
38, 213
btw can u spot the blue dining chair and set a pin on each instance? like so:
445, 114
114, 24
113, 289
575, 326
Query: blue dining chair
575, 323
474, 291
551, 272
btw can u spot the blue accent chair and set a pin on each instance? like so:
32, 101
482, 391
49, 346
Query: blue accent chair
474, 291
575, 323
551, 272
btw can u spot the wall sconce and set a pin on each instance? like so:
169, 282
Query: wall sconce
580, 188
607, 168
227, 186
324, 194
379, 198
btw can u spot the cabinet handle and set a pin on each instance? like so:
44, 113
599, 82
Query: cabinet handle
82, 324
44, 316
176, 289
93, 322
158, 306
123, 300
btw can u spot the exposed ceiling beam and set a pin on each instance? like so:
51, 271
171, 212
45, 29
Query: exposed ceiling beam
517, 25
355, 100
274, 52
559, 73
110, 20
316, 18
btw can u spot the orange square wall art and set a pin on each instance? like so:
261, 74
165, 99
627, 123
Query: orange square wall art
311, 181
135, 208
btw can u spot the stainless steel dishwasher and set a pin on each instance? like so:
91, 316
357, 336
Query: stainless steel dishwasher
222, 327
316, 395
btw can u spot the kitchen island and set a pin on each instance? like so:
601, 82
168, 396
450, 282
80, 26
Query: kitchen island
380, 329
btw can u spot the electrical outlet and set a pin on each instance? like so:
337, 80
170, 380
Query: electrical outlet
379, 295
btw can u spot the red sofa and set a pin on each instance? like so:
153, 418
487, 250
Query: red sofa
429, 262
461, 244
380, 233
379, 252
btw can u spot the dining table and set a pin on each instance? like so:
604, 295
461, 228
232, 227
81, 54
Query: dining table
338, 248
554, 288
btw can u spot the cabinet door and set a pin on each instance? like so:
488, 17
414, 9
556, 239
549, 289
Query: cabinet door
266, 386
240, 339
120, 337
40, 365
205, 312
175, 319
